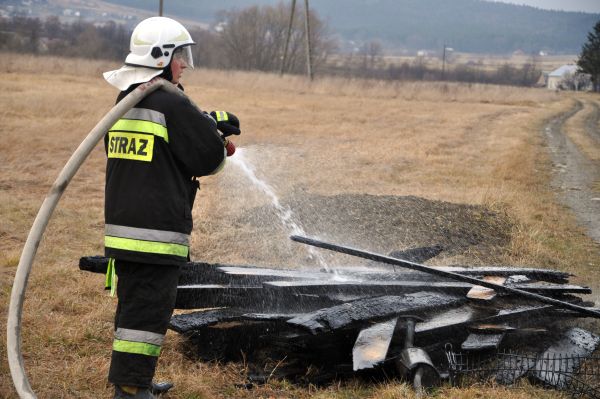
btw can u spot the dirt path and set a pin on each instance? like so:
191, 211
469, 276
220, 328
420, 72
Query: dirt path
574, 174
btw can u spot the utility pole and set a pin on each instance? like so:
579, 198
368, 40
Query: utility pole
307, 29
444, 61
287, 39
160, 8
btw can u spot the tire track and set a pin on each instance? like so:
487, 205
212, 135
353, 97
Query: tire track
573, 174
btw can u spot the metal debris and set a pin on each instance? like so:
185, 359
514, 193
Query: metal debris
568, 364
371, 346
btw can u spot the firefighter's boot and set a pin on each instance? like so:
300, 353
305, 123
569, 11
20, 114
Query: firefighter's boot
132, 393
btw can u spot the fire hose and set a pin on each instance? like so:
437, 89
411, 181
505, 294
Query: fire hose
17, 297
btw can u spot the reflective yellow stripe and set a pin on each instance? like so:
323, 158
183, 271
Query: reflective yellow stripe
153, 247
140, 348
108, 282
131, 125
173, 237
111, 279
222, 116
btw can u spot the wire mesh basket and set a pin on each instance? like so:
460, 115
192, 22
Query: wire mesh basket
578, 375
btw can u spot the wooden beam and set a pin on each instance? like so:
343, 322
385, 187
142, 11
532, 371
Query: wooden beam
373, 309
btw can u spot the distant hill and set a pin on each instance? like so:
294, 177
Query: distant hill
466, 25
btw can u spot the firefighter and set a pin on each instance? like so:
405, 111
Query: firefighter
154, 154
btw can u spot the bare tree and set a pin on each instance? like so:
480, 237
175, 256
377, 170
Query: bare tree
576, 81
254, 38
371, 54
53, 28
530, 73
208, 51
31, 30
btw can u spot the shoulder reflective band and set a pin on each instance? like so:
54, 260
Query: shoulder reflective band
153, 247
145, 114
135, 126
222, 116
139, 348
133, 146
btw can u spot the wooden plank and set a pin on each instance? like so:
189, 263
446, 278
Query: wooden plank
441, 322
249, 299
382, 273
485, 294
272, 274
394, 287
196, 272
478, 341
313, 294
490, 328
371, 346
552, 289
539, 274
467, 315
199, 272
378, 273
185, 323
456, 324
202, 296
373, 309
194, 321
94, 264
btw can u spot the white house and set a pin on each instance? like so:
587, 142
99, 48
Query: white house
556, 77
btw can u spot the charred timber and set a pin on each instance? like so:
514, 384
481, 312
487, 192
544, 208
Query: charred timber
200, 272
450, 275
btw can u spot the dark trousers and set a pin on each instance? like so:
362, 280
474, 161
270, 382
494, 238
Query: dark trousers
146, 295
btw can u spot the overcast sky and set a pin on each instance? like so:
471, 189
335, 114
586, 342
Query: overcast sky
566, 5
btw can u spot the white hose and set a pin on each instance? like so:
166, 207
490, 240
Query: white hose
15, 358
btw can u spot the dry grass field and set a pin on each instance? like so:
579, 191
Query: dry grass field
461, 144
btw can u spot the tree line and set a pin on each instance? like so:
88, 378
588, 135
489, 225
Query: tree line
247, 39
252, 38
51, 36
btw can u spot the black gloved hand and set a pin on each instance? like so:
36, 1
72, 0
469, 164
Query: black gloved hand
227, 122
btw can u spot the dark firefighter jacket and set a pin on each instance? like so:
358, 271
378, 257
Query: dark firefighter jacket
153, 153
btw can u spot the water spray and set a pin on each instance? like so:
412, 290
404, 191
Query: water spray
13, 329
284, 213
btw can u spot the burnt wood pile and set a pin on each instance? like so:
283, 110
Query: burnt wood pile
314, 326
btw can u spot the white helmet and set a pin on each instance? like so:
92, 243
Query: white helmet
154, 40
153, 43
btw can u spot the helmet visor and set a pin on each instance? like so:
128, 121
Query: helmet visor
184, 55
